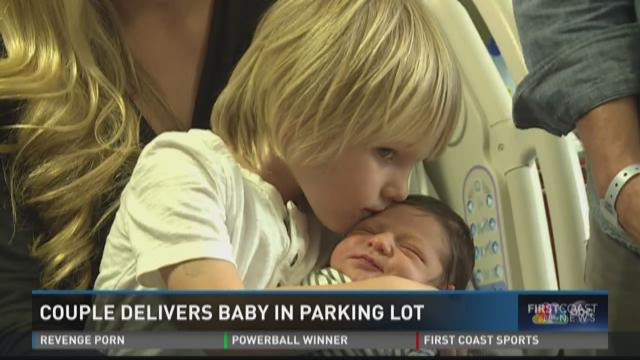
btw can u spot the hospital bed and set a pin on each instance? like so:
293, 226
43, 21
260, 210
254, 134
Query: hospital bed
526, 236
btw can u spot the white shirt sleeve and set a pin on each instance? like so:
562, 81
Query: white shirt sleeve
174, 205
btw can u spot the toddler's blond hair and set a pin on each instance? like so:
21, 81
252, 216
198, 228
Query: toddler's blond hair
324, 74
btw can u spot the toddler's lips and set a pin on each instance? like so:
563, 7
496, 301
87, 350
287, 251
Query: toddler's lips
370, 212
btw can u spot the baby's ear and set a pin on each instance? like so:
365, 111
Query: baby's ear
450, 287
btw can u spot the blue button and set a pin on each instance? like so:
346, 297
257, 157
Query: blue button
495, 247
473, 230
478, 276
470, 206
489, 200
499, 286
484, 225
477, 252
492, 224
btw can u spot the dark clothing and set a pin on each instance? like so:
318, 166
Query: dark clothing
233, 24
580, 54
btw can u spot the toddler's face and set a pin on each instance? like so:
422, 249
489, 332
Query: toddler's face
361, 181
401, 241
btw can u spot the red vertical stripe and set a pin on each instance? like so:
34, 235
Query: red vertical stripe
417, 340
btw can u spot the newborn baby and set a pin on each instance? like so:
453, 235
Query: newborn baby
420, 239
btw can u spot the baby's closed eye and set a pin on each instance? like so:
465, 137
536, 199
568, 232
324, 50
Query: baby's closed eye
412, 251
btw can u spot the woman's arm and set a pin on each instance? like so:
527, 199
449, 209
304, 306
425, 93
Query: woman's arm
18, 276
211, 274
386, 282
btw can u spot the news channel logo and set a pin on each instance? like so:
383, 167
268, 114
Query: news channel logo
579, 312
563, 312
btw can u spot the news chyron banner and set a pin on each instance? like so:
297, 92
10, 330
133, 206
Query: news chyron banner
137, 321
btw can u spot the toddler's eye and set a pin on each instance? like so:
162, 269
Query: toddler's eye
361, 231
386, 153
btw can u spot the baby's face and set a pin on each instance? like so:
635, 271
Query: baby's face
401, 241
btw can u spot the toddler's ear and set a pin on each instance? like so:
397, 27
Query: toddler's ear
450, 287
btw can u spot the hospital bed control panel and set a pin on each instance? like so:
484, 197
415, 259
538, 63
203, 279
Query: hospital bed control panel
483, 217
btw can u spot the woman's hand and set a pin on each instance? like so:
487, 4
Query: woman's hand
391, 282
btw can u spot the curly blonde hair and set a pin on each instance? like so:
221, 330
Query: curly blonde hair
321, 75
76, 134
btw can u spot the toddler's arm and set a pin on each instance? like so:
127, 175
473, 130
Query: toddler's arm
202, 274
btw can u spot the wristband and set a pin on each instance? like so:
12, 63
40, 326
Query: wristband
608, 204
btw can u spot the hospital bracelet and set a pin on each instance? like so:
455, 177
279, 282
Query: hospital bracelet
608, 204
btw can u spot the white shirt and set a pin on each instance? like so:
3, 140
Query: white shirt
187, 199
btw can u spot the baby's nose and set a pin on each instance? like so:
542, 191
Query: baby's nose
382, 243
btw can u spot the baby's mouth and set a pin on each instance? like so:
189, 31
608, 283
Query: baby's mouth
369, 262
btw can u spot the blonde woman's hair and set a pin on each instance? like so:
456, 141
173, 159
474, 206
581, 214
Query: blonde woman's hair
76, 131
321, 75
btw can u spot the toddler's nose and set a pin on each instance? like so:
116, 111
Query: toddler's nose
397, 189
